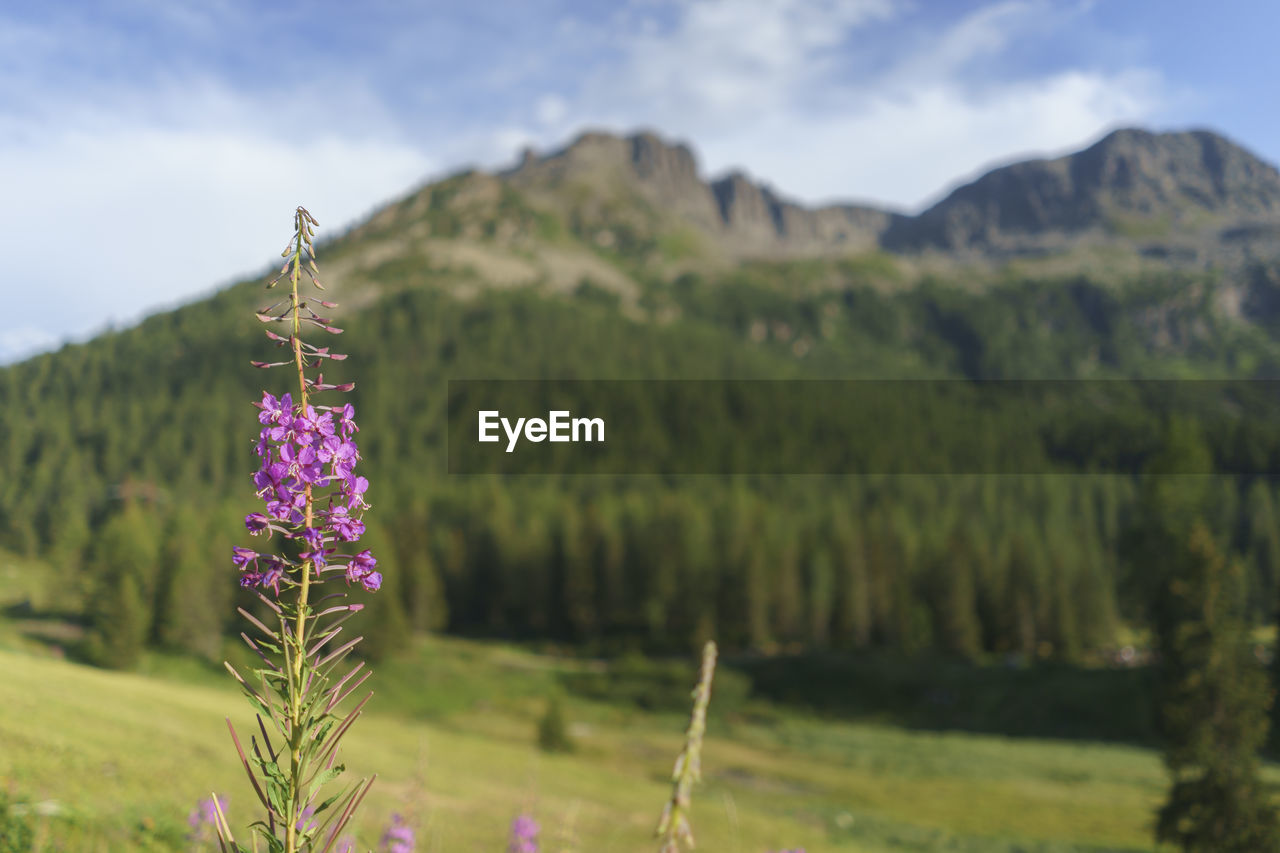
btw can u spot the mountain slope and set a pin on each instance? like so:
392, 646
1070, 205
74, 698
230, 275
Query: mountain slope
619, 212
614, 259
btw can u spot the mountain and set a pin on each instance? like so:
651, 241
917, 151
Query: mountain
735, 215
129, 457
1191, 189
1189, 197
617, 212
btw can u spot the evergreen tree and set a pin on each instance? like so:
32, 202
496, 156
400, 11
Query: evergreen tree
1214, 706
853, 590
553, 731
119, 618
952, 596
1262, 544
1213, 697
123, 562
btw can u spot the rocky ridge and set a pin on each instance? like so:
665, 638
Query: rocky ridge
1184, 195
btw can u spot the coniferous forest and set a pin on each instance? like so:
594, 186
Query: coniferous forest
142, 430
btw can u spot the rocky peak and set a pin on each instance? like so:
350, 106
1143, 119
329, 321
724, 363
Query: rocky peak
642, 157
740, 215
746, 206
1142, 171
660, 162
663, 174
1170, 179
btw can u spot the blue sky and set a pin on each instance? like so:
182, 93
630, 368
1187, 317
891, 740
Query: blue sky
126, 128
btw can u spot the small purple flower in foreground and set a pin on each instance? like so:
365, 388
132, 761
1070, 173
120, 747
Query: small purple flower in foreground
203, 819
524, 835
305, 823
360, 570
274, 411
399, 836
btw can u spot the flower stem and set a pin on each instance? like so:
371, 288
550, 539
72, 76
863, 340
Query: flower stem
299, 633
674, 828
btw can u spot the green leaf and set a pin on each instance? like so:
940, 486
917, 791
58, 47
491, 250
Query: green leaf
324, 778
277, 785
323, 731
258, 705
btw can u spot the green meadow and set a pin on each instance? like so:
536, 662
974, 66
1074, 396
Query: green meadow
114, 761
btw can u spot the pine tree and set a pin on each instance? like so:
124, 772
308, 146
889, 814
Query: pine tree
952, 595
123, 562
1214, 699
1214, 710
553, 730
119, 618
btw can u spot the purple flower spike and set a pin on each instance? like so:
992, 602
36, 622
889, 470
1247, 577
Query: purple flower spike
399, 837
307, 451
203, 819
524, 835
305, 823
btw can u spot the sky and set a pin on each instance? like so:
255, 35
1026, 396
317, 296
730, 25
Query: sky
152, 151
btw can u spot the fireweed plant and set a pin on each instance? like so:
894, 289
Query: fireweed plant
674, 829
314, 503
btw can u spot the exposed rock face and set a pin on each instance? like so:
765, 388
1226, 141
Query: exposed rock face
1150, 182
742, 217
1184, 197
664, 175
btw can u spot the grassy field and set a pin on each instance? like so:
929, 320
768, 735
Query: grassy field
118, 759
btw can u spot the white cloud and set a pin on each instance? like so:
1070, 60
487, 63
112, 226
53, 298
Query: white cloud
109, 213
769, 86
983, 33
550, 110
905, 151
724, 59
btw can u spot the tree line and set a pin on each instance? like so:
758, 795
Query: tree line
131, 458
